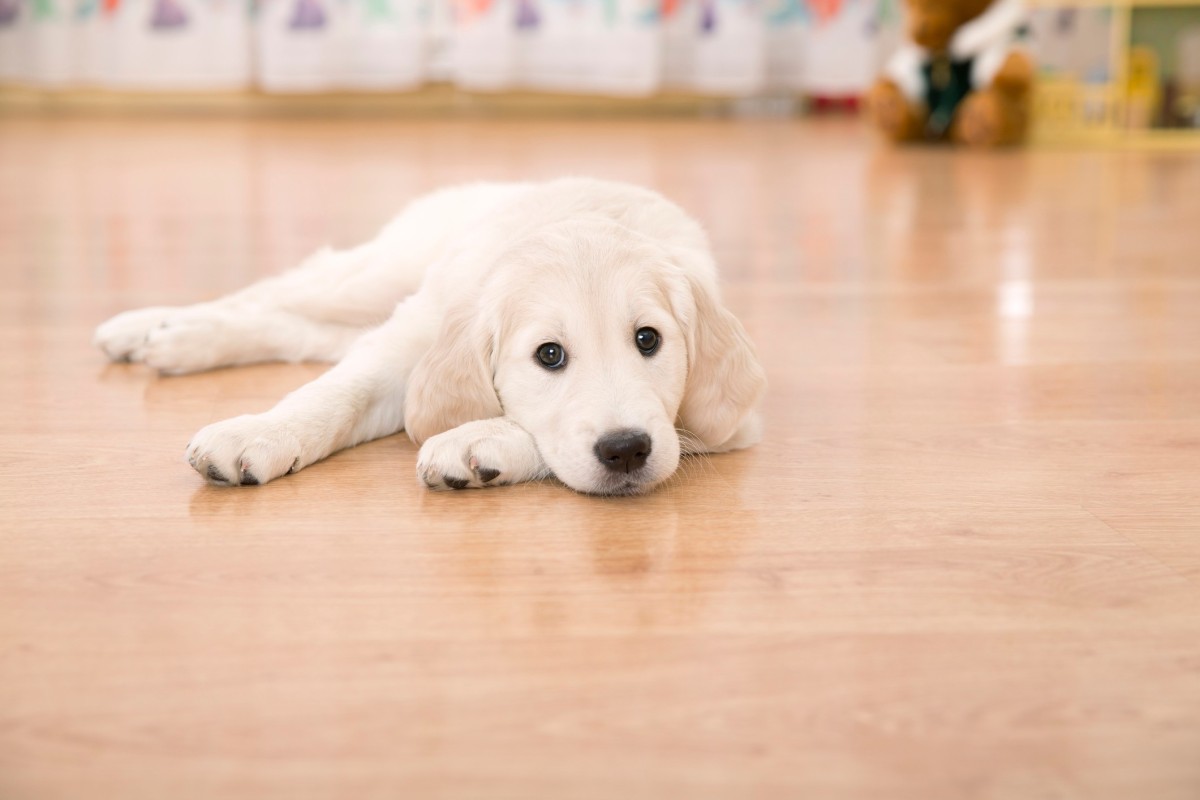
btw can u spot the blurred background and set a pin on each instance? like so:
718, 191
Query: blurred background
1106, 68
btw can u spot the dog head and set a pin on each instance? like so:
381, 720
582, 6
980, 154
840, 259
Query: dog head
604, 346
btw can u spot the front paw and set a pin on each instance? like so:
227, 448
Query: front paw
446, 461
479, 454
246, 450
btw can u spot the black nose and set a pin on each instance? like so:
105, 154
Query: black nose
623, 451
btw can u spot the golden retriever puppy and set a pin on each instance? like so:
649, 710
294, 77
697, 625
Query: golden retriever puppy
515, 331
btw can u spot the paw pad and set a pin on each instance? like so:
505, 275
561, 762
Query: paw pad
215, 475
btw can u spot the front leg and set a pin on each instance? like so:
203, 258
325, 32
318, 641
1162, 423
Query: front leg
475, 455
360, 399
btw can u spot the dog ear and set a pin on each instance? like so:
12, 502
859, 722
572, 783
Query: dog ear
725, 380
453, 382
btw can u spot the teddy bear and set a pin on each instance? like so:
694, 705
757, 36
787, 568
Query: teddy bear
958, 77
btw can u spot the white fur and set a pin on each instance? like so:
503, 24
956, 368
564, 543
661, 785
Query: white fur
434, 325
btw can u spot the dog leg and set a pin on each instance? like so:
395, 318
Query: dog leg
313, 313
211, 335
479, 454
360, 399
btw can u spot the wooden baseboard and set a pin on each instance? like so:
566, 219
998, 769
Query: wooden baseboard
431, 100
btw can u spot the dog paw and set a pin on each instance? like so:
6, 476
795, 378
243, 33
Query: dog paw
477, 455
447, 464
246, 450
183, 343
123, 337
173, 341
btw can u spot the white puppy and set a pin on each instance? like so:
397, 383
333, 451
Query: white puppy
515, 331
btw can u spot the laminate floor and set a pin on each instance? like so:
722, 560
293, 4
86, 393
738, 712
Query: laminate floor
964, 562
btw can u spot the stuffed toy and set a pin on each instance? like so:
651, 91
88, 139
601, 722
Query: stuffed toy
958, 77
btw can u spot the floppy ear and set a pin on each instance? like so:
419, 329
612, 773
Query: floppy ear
725, 380
452, 383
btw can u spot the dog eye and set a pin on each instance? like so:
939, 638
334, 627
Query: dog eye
551, 355
647, 341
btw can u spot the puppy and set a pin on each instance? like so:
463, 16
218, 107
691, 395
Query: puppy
515, 331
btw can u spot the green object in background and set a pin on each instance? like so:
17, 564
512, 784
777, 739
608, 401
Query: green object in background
1158, 28
947, 82
887, 13
379, 9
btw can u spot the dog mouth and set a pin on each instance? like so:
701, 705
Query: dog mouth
623, 489
622, 486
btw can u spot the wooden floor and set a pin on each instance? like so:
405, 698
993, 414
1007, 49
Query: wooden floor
965, 562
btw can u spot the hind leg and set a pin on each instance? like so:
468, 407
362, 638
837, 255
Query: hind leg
176, 341
314, 313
